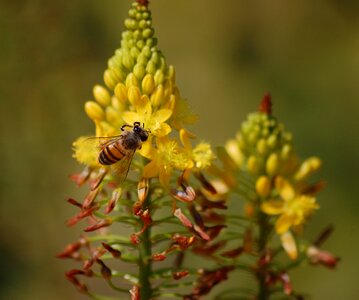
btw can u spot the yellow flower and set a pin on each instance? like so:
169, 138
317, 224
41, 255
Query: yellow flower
292, 208
201, 155
153, 120
164, 159
85, 154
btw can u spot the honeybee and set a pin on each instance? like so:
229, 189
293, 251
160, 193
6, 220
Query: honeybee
118, 151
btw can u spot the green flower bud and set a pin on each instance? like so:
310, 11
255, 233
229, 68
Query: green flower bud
139, 71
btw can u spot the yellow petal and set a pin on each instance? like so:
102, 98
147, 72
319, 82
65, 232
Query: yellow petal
150, 170
144, 107
289, 245
130, 117
165, 175
146, 149
162, 115
162, 130
185, 137
283, 223
272, 207
284, 188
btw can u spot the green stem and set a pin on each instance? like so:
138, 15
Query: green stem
145, 263
264, 231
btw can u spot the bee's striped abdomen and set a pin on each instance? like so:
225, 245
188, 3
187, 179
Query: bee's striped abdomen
111, 154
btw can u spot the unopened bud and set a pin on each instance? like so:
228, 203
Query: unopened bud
111, 77
272, 164
157, 97
101, 95
134, 95
127, 60
131, 80
139, 71
263, 186
252, 165
148, 84
94, 111
159, 77
121, 92
262, 146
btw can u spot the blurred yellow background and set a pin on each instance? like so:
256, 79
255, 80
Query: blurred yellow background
227, 55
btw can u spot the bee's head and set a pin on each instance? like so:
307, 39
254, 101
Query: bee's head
140, 131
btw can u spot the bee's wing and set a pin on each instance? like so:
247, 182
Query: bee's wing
121, 168
100, 142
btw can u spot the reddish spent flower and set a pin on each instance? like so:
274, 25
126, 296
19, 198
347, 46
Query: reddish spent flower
137, 208
324, 235
182, 241
113, 201
209, 249
74, 202
188, 194
71, 276
70, 250
135, 240
146, 218
105, 270
90, 198
82, 214
233, 253
184, 220
265, 258
321, 257
196, 216
201, 232
143, 2
135, 293
266, 104
81, 178
159, 257
180, 274
98, 225
214, 231
115, 253
209, 279
287, 285
100, 176
205, 183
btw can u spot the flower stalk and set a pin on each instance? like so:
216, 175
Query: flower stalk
145, 171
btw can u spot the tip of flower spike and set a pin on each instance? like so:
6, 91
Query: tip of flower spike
143, 2
266, 104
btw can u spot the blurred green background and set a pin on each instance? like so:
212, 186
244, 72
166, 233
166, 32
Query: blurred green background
227, 55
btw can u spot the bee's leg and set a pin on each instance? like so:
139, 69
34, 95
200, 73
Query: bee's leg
124, 126
137, 124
